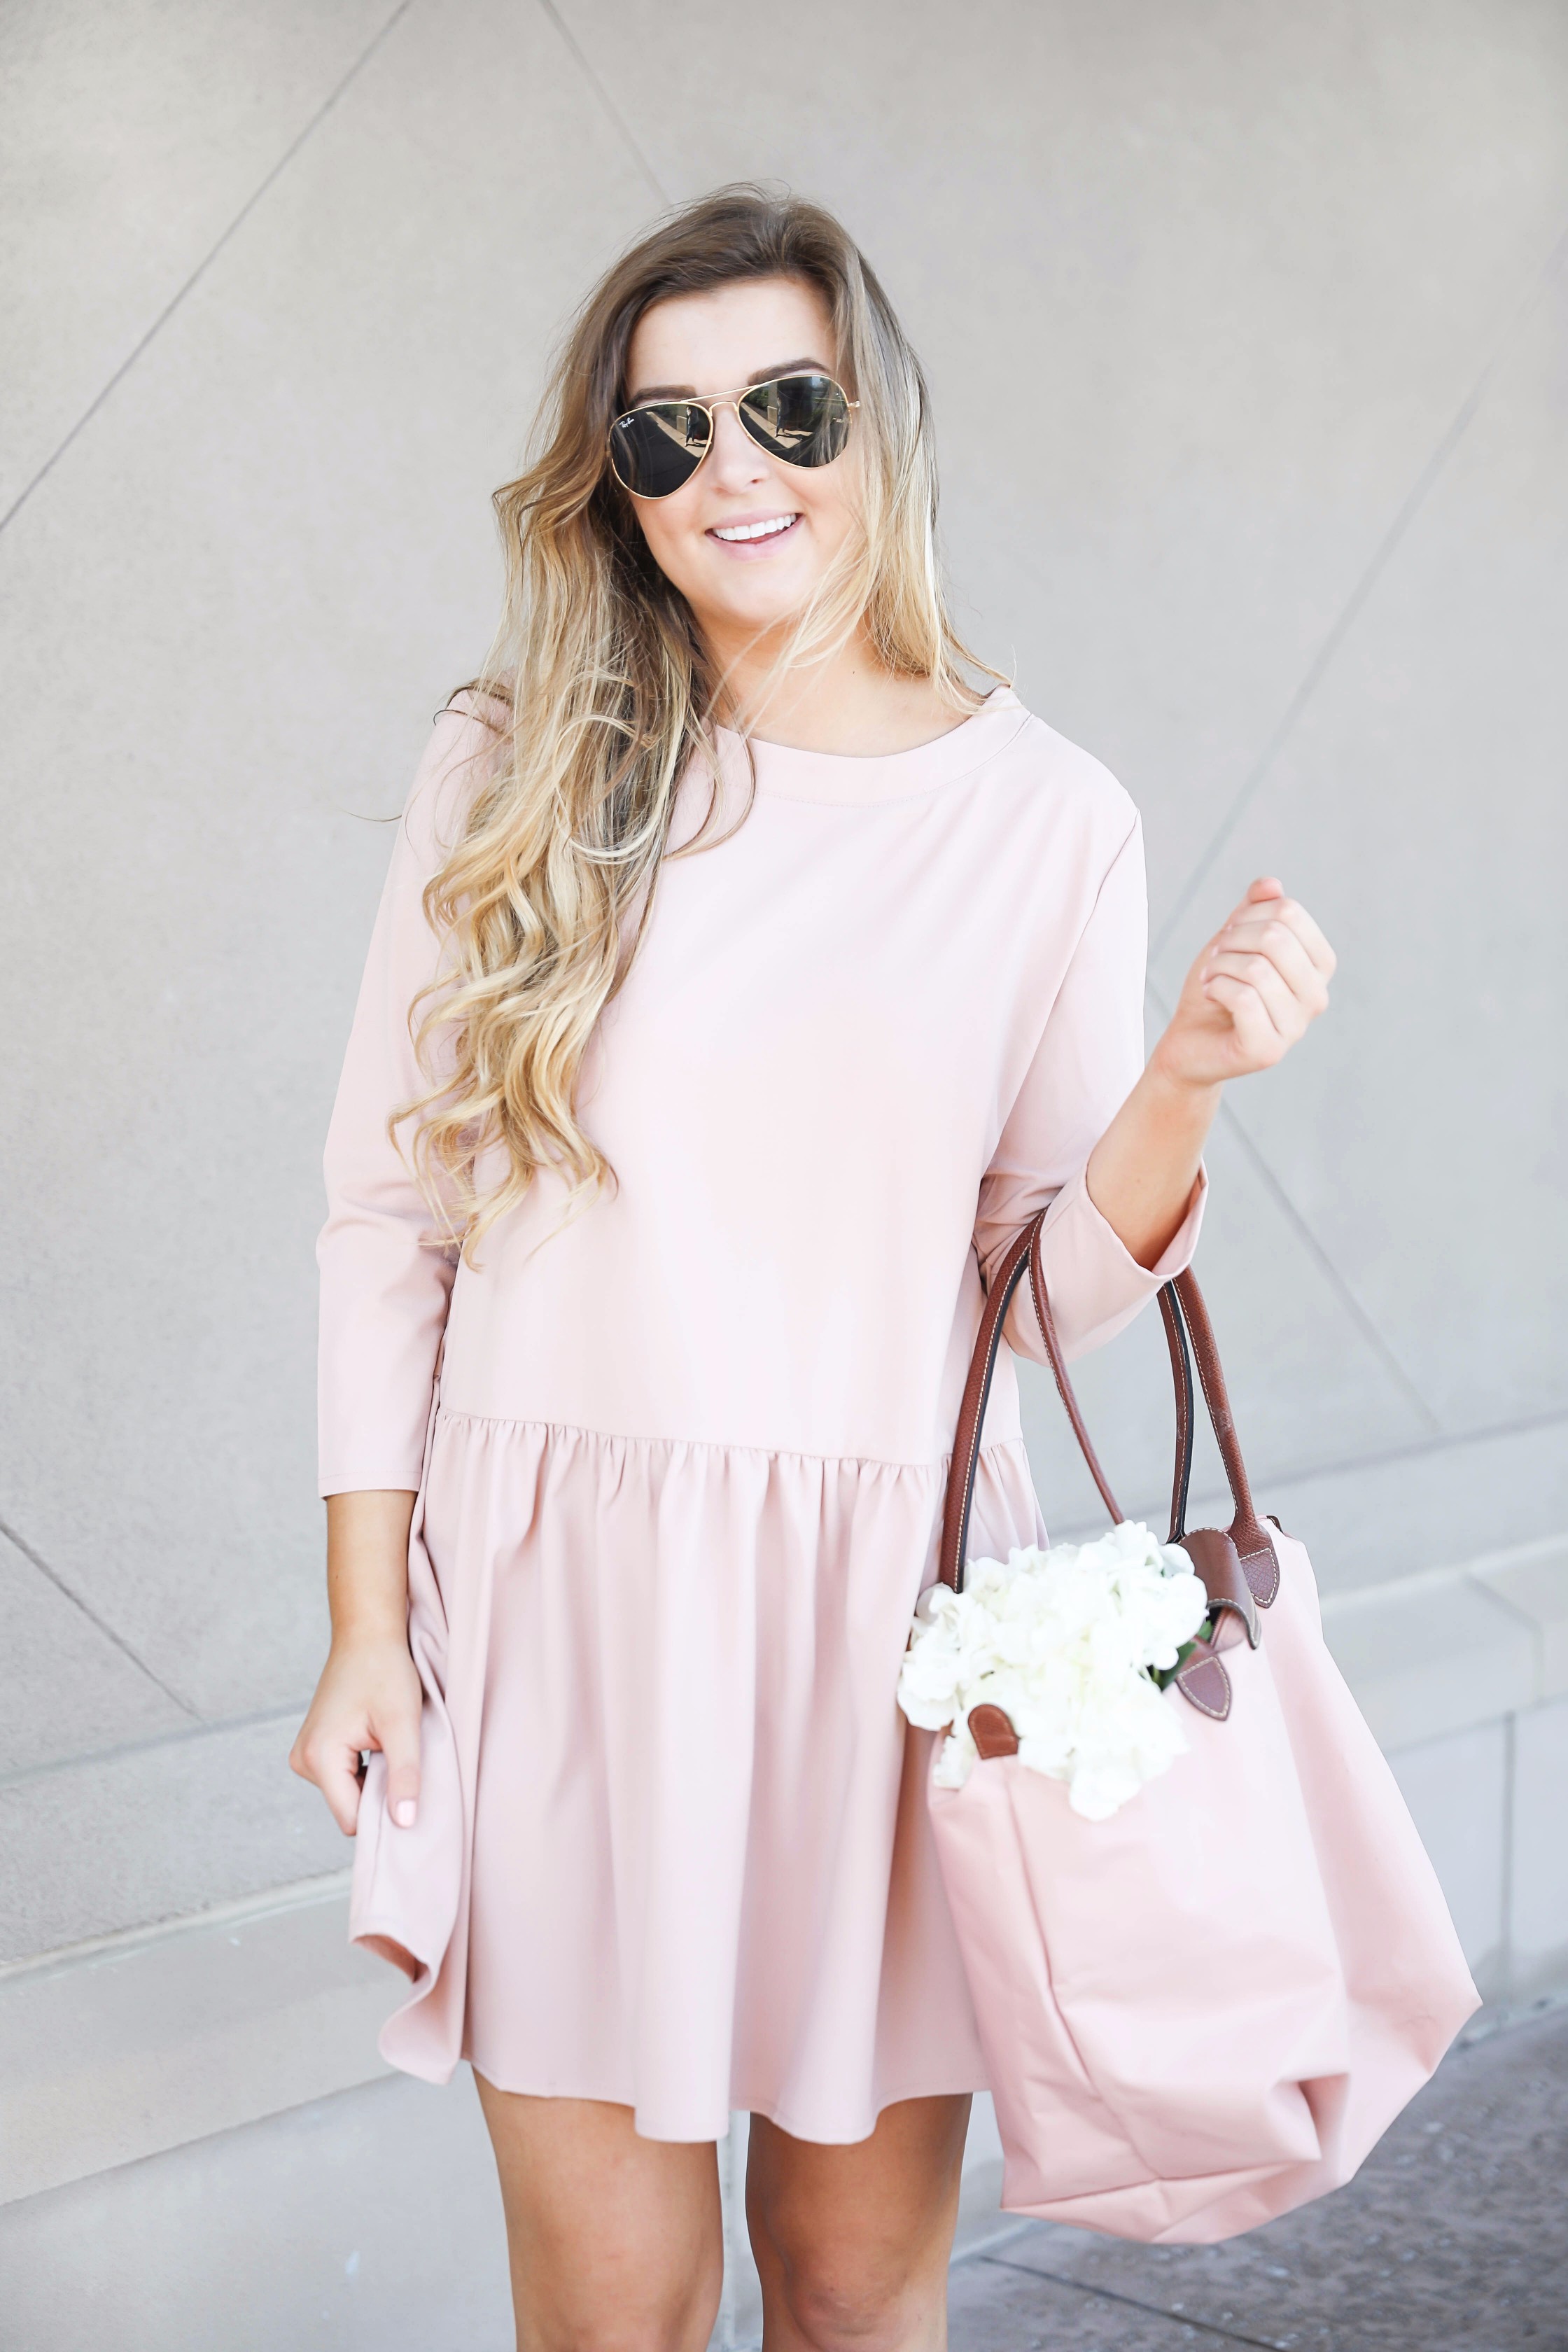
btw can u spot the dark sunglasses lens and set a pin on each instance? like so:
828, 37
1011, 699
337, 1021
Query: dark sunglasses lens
804, 419
655, 450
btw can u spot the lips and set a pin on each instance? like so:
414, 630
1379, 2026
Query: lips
752, 530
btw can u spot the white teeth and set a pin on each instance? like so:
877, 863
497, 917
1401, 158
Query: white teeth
757, 530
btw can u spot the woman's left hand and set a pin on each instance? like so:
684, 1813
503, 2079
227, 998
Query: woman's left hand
1253, 991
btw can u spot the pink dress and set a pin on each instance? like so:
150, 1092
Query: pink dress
680, 1463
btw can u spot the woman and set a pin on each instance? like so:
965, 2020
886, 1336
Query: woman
744, 979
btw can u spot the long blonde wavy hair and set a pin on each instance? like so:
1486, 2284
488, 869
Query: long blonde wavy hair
598, 690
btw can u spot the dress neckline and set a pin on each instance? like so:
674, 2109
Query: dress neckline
783, 772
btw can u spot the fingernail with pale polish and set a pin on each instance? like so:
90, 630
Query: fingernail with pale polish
403, 1812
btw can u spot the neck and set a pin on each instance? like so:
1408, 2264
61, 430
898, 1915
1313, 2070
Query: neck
850, 701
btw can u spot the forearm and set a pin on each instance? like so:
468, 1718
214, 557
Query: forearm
1142, 1172
367, 1563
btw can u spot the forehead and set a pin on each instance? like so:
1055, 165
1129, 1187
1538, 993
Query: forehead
729, 336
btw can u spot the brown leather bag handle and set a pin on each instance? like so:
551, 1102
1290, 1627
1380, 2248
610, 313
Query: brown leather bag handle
1246, 1546
960, 1495
1254, 1544
1181, 1376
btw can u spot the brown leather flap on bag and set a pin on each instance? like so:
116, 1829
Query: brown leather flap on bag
1218, 1565
991, 1728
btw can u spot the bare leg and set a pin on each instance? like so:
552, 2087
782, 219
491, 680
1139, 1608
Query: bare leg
853, 2242
616, 2241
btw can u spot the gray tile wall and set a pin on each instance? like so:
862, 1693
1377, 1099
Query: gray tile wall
1246, 326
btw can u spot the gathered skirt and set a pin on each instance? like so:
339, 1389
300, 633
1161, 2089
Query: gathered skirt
672, 1847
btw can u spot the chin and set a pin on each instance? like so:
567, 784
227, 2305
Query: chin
777, 613
776, 607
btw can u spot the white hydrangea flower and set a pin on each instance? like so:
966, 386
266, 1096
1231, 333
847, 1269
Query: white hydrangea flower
1063, 1641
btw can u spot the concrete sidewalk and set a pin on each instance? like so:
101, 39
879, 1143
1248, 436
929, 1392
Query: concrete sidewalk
1453, 2238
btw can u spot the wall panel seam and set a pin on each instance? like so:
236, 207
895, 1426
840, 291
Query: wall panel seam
595, 83
52, 1576
1361, 1314
60, 1765
199, 272
1322, 660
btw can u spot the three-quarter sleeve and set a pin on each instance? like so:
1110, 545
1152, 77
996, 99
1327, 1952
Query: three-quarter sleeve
385, 1274
1087, 1060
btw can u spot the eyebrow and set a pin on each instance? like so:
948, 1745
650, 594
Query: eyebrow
759, 376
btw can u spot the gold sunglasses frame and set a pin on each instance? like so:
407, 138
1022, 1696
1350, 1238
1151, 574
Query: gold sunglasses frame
720, 400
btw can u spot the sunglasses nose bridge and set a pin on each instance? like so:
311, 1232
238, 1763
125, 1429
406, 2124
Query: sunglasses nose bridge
742, 441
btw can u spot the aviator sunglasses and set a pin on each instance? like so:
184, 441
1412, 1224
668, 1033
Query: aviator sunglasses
804, 419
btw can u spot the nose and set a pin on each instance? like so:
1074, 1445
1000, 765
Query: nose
734, 461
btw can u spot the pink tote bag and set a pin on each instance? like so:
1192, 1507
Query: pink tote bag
1206, 2009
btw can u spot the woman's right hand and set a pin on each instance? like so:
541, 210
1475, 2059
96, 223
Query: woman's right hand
370, 1693
369, 1697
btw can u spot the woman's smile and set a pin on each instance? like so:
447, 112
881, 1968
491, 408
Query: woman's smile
753, 535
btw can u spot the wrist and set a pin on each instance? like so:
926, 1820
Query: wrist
363, 1632
1167, 1080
